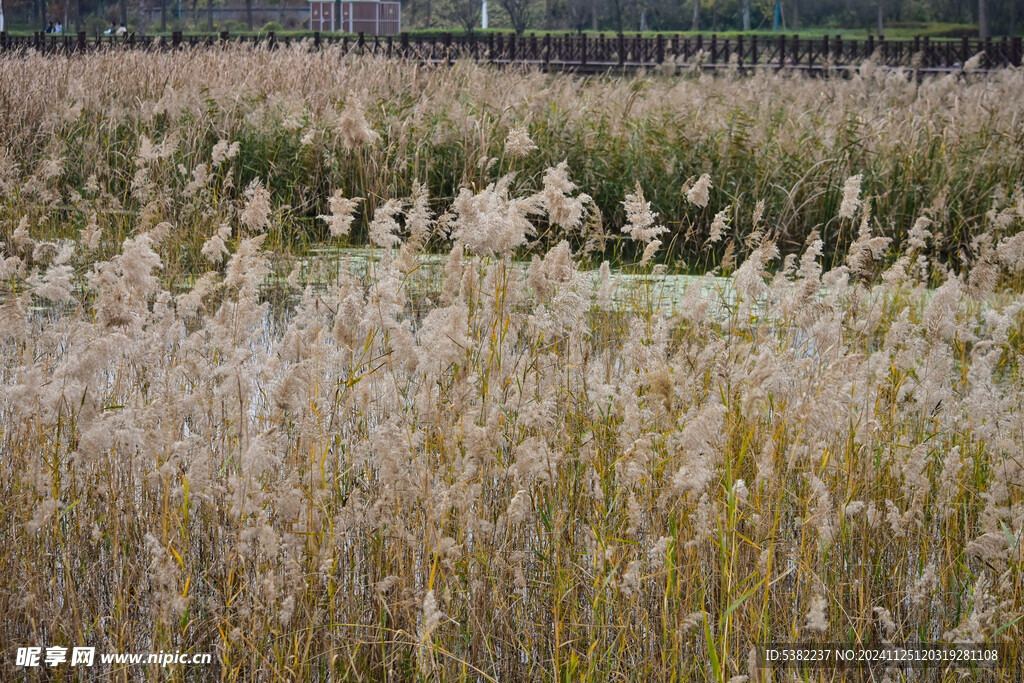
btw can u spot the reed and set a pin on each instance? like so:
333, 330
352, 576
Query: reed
77, 135
515, 461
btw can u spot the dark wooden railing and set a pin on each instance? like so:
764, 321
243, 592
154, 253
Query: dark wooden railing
590, 53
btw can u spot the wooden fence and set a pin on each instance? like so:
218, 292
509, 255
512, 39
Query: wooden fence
594, 54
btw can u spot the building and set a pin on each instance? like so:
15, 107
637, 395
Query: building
368, 17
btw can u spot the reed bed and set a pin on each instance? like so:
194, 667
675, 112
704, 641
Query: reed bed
218, 435
135, 132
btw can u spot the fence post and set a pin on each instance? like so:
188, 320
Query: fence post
782, 50
583, 49
82, 42
753, 49
1017, 56
714, 49
622, 50
659, 49
176, 39
837, 50
547, 50
224, 36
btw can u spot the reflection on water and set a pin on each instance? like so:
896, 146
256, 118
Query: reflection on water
323, 266
657, 290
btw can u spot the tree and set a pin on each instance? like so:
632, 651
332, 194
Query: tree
466, 13
518, 13
984, 28
578, 13
746, 15
248, 13
617, 12
696, 16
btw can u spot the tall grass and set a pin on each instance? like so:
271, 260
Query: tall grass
490, 469
946, 143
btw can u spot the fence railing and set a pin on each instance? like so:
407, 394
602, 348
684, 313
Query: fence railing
589, 53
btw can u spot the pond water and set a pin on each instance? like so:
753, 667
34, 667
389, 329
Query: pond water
664, 289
